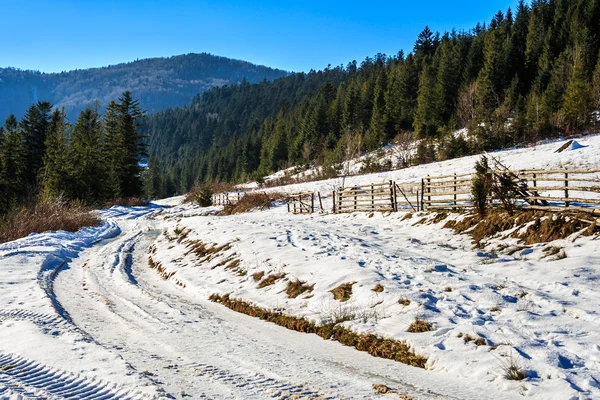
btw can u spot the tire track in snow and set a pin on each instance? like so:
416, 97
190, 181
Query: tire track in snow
45, 321
36, 380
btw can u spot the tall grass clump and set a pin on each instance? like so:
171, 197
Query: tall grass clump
47, 215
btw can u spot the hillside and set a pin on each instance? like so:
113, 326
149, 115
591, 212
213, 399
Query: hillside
159, 83
529, 73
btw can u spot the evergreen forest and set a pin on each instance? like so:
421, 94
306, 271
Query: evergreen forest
531, 73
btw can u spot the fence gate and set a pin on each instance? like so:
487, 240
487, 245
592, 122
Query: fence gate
374, 197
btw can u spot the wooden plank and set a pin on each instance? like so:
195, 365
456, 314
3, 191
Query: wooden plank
450, 176
369, 191
590, 189
566, 199
590, 180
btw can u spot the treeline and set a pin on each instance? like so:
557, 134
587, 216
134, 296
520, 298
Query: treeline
527, 75
95, 160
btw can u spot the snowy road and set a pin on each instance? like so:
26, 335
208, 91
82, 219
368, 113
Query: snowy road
190, 347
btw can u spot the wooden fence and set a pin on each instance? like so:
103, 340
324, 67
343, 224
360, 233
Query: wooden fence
374, 197
578, 190
303, 203
226, 198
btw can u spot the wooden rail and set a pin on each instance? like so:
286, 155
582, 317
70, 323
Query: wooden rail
226, 198
374, 197
302, 203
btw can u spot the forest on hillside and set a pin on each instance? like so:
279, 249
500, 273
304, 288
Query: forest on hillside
530, 73
158, 83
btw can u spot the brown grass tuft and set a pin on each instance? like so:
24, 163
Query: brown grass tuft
270, 280
257, 276
46, 216
374, 345
378, 288
447, 289
404, 301
343, 292
420, 326
297, 287
253, 201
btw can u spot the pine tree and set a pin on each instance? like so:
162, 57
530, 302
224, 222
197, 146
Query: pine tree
34, 126
12, 165
113, 151
135, 149
377, 135
86, 157
54, 176
578, 103
427, 116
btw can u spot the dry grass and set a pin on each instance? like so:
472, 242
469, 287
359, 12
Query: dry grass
404, 301
374, 345
447, 289
297, 287
530, 227
206, 252
46, 216
378, 288
420, 326
253, 201
257, 276
479, 341
270, 280
343, 292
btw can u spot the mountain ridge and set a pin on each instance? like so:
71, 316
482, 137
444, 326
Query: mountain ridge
159, 82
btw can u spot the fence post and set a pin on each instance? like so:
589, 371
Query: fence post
372, 197
393, 195
288, 204
567, 203
418, 206
334, 200
321, 202
455, 189
428, 190
534, 180
312, 203
355, 199
422, 194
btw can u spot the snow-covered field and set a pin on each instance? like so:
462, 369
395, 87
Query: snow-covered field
83, 316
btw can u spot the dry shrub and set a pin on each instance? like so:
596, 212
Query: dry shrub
160, 269
378, 288
447, 289
270, 280
200, 194
343, 292
252, 201
374, 345
49, 215
257, 276
420, 326
297, 287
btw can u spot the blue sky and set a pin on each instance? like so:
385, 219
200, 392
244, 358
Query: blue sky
53, 36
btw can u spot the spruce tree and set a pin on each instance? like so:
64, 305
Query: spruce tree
55, 172
130, 115
34, 126
427, 116
12, 165
86, 157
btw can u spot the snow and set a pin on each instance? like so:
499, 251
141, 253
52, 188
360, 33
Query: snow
82, 312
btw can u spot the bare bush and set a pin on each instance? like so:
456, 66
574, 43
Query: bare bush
49, 215
253, 201
403, 148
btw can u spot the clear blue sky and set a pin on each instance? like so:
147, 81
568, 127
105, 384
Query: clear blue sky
58, 35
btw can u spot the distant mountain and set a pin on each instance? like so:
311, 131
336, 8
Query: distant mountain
158, 83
